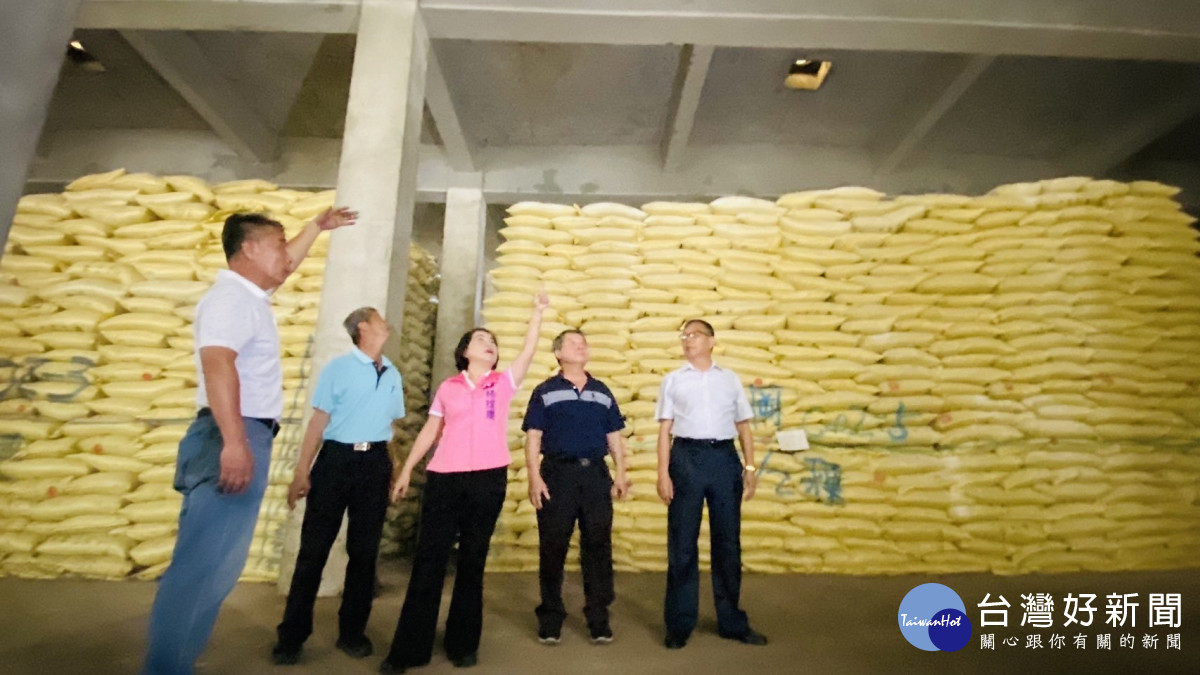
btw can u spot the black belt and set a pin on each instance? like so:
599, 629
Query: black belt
358, 447
271, 424
568, 459
711, 442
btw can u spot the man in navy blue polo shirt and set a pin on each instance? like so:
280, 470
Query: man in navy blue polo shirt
358, 395
573, 421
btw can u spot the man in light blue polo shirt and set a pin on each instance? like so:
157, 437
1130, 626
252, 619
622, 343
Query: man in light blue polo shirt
358, 395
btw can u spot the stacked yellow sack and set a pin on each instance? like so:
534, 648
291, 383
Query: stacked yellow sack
988, 383
98, 287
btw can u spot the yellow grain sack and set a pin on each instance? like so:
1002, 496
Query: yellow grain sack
157, 511
178, 291
84, 545
63, 507
153, 551
17, 542
42, 467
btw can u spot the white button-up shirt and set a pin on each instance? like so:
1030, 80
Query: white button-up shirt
704, 404
236, 314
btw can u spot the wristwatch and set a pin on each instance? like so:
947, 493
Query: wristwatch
748, 467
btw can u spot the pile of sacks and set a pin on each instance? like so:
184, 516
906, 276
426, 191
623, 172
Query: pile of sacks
416, 363
998, 383
98, 287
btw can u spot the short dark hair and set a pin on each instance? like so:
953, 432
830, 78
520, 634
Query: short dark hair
241, 226
558, 340
360, 315
707, 326
460, 352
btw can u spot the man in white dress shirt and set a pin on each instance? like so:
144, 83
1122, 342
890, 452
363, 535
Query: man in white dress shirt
223, 459
701, 408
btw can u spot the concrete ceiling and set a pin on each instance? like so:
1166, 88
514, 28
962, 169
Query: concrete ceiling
1027, 98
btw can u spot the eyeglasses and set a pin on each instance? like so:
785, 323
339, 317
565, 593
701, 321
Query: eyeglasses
693, 335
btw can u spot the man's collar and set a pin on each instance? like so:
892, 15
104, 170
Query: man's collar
253, 287
563, 376
687, 365
362, 356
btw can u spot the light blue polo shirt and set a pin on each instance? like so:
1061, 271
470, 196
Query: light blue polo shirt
361, 403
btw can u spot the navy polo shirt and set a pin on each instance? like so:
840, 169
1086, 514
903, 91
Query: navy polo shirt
573, 423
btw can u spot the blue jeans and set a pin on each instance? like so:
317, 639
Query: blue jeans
215, 530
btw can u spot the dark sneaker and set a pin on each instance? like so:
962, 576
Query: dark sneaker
675, 641
549, 636
356, 648
465, 661
602, 635
750, 637
390, 668
285, 655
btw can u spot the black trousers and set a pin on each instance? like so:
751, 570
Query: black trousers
580, 493
341, 480
701, 473
462, 505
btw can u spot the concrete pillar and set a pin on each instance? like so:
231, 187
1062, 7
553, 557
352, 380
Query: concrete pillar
461, 288
377, 176
33, 40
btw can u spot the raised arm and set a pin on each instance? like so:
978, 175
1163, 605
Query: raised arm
330, 219
520, 365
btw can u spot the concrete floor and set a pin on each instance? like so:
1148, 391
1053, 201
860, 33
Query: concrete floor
817, 624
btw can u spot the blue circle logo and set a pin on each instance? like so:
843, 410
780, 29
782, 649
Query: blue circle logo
932, 617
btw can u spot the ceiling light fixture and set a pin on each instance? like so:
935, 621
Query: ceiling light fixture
83, 58
806, 74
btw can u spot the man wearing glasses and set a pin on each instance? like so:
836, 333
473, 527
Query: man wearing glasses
701, 408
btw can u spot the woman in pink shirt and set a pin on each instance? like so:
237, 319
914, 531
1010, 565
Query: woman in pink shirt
464, 491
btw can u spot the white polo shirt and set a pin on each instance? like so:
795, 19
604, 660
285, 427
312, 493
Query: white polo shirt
704, 404
236, 314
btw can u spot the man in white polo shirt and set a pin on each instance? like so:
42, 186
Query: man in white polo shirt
358, 395
704, 406
223, 460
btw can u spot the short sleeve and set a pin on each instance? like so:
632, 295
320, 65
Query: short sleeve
744, 411
325, 398
616, 421
224, 321
438, 407
535, 414
399, 409
665, 410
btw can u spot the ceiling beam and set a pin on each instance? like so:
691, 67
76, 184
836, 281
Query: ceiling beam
441, 107
632, 174
1108, 149
931, 107
287, 16
1166, 30
685, 101
180, 59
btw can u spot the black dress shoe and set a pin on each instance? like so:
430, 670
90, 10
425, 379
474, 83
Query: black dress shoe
750, 637
675, 641
357, 648
285, 655
465, 661
390, 668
